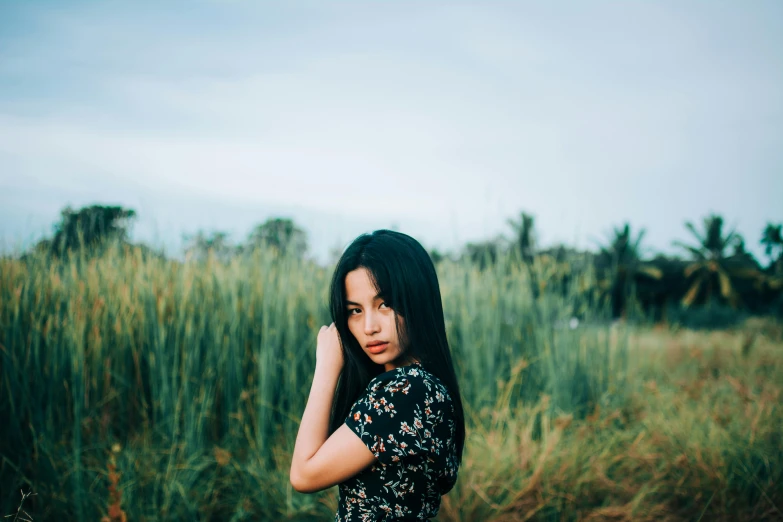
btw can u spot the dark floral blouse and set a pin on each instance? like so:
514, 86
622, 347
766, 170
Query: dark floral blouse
406, 418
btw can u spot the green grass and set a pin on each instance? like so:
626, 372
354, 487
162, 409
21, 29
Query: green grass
199, 372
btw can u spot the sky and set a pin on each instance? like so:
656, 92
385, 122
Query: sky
439, 119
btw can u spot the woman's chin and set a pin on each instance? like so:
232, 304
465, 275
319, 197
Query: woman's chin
381, 359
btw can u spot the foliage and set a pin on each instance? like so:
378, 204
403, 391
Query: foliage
720, 268
772, 239
713, 272
280, 234
189, 380
174, 352
712, 316
484, 254
656, 296
437, 256
198, 247
620, 266
694, 439
525, 240
622, 248
88, 228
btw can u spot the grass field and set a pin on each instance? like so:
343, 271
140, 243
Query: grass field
153, 390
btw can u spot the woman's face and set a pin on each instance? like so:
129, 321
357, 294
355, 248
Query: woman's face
371, 321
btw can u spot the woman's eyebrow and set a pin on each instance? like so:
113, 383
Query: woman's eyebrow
379, 296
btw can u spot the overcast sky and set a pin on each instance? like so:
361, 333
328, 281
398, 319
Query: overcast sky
442, 119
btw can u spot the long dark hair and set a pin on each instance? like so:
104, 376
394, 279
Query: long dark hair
405, 276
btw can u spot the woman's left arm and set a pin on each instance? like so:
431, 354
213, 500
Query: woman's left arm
320, 461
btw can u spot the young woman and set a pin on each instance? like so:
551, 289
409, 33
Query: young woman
384, 417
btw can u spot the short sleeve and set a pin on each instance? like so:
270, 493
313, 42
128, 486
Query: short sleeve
392, 419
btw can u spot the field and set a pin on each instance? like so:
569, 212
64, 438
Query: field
141, 388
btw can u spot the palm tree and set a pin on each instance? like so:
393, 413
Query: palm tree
713, 272
525, 241
622, 248
523, 248
621, 265
483, 254
772, 239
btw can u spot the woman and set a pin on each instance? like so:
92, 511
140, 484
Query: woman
384, 418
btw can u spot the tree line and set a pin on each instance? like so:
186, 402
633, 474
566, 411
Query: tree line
715, 269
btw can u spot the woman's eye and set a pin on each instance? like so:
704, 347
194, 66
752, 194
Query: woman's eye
352, 310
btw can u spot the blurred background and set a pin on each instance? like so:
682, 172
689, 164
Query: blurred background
598, 185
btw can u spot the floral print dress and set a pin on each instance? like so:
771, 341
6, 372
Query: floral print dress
406, 418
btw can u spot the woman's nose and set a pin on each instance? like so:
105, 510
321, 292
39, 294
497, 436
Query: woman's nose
370, 323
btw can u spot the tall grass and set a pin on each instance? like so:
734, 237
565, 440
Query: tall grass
200, 371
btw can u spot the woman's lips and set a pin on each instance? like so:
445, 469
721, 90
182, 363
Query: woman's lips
378, 348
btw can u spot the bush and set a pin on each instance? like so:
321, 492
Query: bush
713, 316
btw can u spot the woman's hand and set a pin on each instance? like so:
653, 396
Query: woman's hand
329, 350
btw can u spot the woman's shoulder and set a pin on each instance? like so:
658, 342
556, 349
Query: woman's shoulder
405, 413
413, 378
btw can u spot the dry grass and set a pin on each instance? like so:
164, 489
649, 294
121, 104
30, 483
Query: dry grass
698, 438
